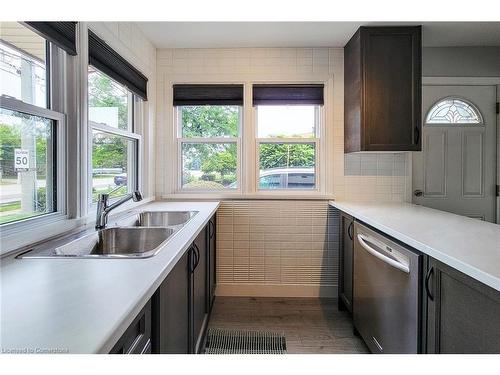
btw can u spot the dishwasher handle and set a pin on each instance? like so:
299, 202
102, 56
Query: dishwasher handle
394, 263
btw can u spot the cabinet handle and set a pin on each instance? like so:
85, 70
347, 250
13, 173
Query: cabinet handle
197, 253
350, 231
417, 135
211, 230
194, 256
362, 239
430, 271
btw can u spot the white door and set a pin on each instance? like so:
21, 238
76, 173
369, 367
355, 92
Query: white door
456, 170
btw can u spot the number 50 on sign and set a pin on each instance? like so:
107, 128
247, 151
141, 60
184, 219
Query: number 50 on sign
21, 159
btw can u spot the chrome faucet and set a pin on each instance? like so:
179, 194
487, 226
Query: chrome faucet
103, 207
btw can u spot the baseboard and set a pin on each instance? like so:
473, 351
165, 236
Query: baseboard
275, 290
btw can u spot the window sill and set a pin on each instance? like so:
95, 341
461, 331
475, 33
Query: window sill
14, 236
260, 196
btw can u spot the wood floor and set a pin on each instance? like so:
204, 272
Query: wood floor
311, 325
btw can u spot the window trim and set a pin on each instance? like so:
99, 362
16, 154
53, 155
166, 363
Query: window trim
316, 140
202, 140
135, 168
248, 157
135, 105
26, 224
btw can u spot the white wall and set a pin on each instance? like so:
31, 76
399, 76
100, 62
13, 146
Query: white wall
461, 62
129, 41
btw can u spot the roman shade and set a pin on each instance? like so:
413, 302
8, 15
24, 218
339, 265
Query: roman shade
108, 61
205, 94
62, 34
271, 94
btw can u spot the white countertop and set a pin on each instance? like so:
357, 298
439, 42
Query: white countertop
468, 245
85, 305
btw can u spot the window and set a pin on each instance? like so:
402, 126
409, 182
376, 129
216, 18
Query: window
23, 67
208, 144
287, 146
453, 111
284, 150
114, 143
208, 121
27, 165
31, 135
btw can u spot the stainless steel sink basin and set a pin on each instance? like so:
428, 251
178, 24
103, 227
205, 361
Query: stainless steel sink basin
158, 219
138, 235
116, 242
164, 218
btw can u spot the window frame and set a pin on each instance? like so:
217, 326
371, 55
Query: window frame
204, 140
316, 140
59, 119
135, 104
55, 108
480, 123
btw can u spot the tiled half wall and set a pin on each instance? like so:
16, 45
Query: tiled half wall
277, 248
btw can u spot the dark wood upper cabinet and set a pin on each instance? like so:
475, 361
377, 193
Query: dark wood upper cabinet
382, 89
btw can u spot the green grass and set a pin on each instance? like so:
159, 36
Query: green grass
98, 176
11, 206
19, 216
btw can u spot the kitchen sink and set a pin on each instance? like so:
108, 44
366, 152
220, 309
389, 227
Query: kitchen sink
115, 242
138, 235
158, 219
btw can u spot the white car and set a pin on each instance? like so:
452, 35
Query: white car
286, 178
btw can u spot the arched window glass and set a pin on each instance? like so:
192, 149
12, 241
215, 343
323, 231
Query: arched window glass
453, 111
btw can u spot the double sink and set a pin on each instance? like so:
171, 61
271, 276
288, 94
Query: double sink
140, 235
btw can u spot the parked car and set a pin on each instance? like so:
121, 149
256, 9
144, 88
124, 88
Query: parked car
120, 179
286, 178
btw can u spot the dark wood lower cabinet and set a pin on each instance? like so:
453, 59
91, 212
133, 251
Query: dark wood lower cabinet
212, 278
181, 305
171, 316
346, 261
463, 315
199, 291
137, 337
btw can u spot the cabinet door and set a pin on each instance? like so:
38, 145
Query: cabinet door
382, 90
211, 261
199, 290
172, 311
346, 261
392, 88
462, 313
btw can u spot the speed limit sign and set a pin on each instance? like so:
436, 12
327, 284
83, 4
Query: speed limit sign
21, 159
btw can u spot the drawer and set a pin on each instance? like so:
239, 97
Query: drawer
137, 337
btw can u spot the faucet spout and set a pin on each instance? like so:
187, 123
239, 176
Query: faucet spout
104, 208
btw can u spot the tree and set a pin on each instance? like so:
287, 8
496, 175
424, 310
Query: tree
210, 121
222, 162
286, 155
108, 152
207, 121
104, 92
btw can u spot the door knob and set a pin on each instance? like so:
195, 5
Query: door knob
418, 193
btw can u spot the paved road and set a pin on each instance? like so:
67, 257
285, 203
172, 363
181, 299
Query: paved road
11, 192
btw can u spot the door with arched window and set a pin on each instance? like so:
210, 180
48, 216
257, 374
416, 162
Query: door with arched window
456, 170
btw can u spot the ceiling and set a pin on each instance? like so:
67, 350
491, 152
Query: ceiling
306, 34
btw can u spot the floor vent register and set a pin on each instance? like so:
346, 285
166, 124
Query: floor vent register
223, 341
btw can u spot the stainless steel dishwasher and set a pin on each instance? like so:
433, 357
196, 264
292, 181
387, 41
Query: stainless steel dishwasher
386, 293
